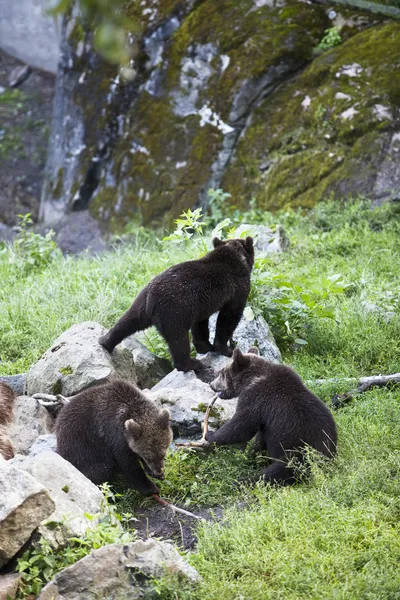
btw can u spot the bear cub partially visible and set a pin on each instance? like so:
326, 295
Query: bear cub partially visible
275, 406
113, 428
7, 400
183, 297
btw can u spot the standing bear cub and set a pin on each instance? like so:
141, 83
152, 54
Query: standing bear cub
275, 406
183, 297
113, 428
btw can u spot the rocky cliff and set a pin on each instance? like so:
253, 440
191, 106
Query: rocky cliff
230, 94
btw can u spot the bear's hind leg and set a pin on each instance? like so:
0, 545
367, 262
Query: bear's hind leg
279, 472
201, 335
228, 319
179, 346
131, 322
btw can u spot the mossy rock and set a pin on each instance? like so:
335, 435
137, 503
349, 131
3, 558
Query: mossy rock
325, 132
164, 159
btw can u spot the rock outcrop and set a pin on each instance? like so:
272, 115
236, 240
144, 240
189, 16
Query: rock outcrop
228, 94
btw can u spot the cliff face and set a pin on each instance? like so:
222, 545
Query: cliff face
227, 94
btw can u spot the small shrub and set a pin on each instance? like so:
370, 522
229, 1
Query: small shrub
31, 251
331, 39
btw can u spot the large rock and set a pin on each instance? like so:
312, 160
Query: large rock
72, 493
115, 572
252, 331
30, 421
187, 398
24, 503
159, 142
149, 367
228, 95
76, 361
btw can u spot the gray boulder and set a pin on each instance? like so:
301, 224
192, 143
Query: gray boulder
7, 234
187, 399
24, 503
252, 331
30, 421
76, 361
266, 239
16, 382
149, 367
72, 494
118, 571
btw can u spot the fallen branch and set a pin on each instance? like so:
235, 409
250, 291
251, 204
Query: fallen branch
202, 444
365, 384
51, 400
176, 509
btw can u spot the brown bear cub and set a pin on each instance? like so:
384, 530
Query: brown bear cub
275, 406
113, 428
7, 399
183, 298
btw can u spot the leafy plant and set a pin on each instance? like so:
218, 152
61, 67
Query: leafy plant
31, 251
290, 304
191, 227
331, 39
42, 562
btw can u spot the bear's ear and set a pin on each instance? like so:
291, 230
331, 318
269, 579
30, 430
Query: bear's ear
133, 428
240, 361
249, 245
163, 418
253, 350
217, 242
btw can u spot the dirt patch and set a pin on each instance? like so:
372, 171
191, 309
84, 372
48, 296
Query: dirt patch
25, 116
159, 522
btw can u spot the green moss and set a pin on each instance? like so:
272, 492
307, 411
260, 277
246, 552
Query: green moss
324, 132
58, 187
214, 412
66, 370
57, 387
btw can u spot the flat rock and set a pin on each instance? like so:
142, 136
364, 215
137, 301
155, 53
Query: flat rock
187, 398
76, 232
267, 240
44, 443
30, 421
118, 571
149, 367
76, 361
24, 504
71, 492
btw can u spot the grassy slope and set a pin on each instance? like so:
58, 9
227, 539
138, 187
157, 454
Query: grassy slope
336, 537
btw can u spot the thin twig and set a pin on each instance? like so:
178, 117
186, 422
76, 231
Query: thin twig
176, 509
202, 444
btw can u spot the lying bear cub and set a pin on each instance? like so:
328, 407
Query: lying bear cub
113, 428
275, 406
183, 298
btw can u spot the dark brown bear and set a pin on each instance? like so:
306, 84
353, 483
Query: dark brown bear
183, 298
275, 406
113, 428
7, 399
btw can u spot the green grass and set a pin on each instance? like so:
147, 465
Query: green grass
335, 536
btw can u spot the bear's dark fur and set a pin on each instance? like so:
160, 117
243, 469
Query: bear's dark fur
7, 400
183, 298
275, 406
112, 428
